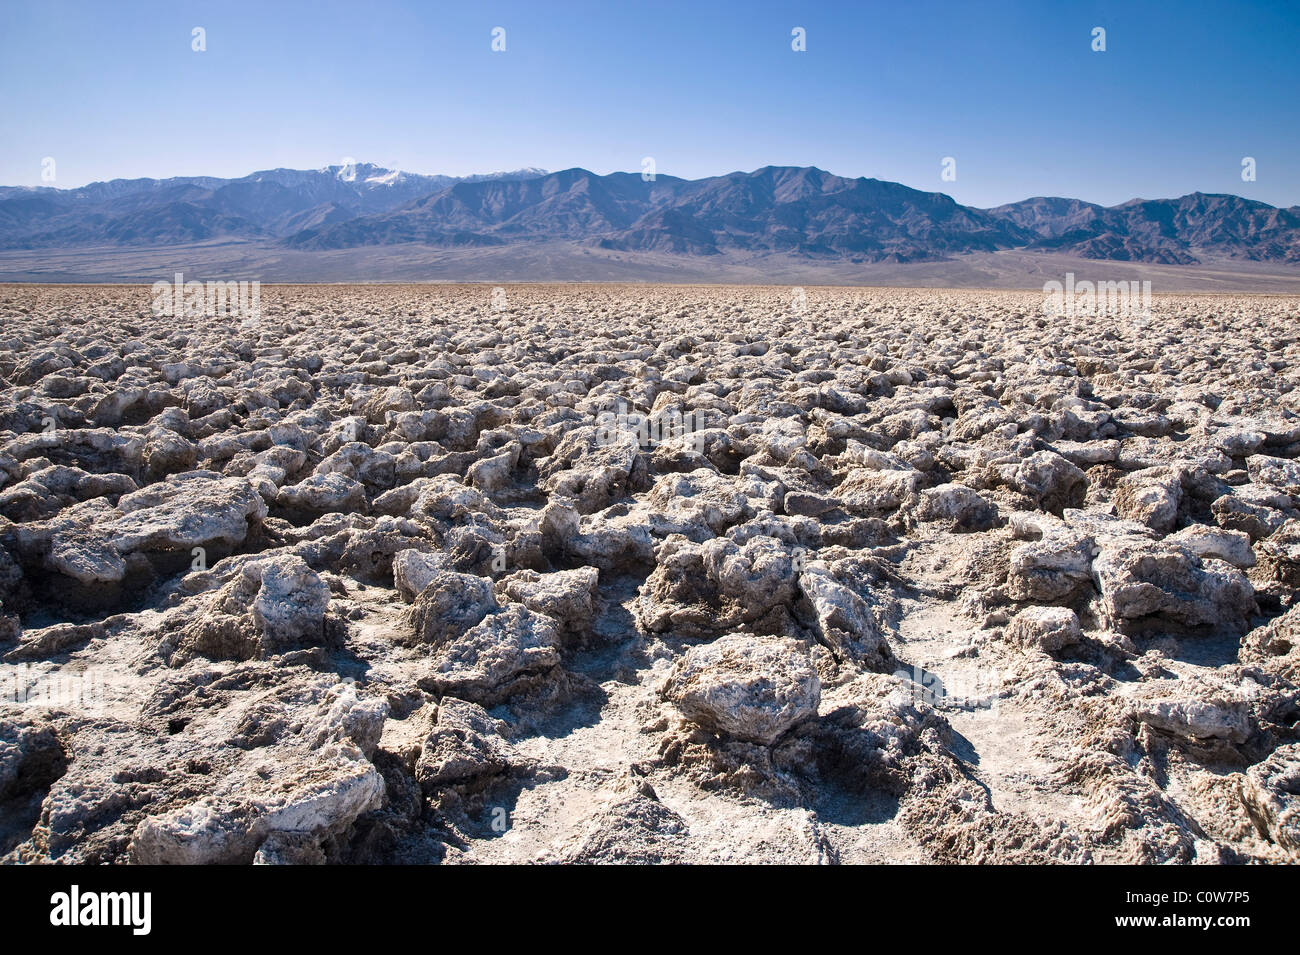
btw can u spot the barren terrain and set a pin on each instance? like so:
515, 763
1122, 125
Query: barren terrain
648, 574
575, 262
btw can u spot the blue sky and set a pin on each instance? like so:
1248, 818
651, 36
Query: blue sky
1011, 90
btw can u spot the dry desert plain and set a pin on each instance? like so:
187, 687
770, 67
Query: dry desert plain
648, 573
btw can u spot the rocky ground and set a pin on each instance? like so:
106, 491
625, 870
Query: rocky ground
645, 573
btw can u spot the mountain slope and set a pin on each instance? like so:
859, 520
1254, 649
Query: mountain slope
1179, 231
571, 204
773, 209
273, 202
809, 211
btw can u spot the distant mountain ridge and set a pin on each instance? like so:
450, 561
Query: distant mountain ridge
272, 203
1169, 231
800, 211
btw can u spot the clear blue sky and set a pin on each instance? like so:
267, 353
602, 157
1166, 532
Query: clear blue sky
1011, 90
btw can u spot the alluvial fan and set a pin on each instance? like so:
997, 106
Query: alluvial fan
647, 573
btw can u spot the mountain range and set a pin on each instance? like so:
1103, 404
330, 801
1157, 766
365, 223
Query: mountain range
792, 211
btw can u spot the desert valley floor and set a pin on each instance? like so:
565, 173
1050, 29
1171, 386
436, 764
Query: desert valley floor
638, 573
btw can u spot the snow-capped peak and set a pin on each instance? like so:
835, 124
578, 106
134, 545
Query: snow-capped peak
387, 179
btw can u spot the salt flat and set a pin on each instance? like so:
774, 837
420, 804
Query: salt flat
559, 261
632, 573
